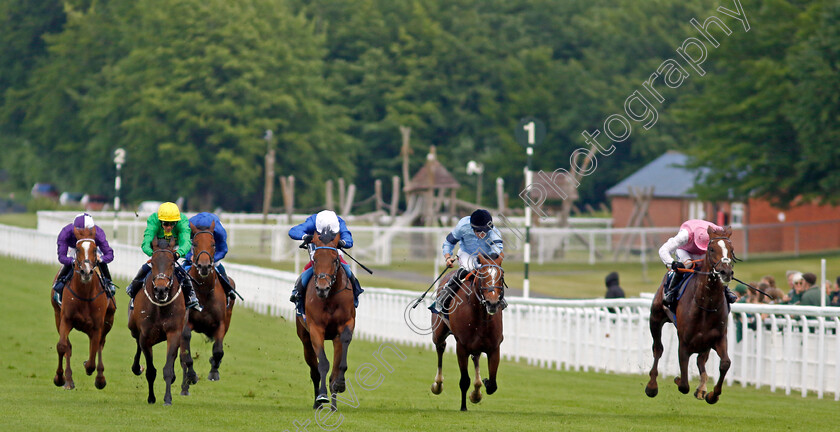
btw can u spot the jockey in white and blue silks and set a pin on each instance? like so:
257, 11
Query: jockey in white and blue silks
203, 221
476, 234
325, 220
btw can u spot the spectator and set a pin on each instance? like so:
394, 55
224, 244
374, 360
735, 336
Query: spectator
795, 281
741, 292
777, 294
613, 289
769, 280
834, 294
810, 293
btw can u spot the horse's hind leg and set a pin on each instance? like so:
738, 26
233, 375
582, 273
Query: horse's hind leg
656, 323
700, 393
135, 367
340, 348
173, 343
95, 337
725, 362
463, 359
475, 396
493, 359
218, 353
310, 358
439, 335
190, 376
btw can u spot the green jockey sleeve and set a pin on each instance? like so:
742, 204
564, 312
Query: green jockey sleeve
152, 228
183, 232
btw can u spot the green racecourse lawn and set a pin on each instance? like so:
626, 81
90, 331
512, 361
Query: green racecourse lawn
265, 386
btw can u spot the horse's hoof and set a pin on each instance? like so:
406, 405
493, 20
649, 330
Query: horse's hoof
475, 397
212, 376
100, 383
437, 388
700, 394
464, 408
651, 391
69, 385
192, 378
185, 392
167, 403
491, 386
136, 369
151, 400
338, 387
322, 399
89, 370
58, 380
712, 398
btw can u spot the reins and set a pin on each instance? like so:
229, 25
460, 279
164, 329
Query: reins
76, 270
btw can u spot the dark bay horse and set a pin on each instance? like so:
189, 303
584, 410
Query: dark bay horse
214, 320
475, 319
330, 315
159, 315
87, 308
701, 318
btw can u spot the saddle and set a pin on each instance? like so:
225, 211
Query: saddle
680, 289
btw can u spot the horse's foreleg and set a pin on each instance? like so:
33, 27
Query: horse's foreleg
63, 349
151, 372
682, 380
310, 358
463, 359
218, 352
316, 335
173, 343
700, 393
475, 395
340, 359
652, 389
493, 359
439, 334
725, 362
190, 376
135, 367
94, 338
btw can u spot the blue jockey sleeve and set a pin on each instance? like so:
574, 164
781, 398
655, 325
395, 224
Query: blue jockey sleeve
345, 234
307, 227
220, 235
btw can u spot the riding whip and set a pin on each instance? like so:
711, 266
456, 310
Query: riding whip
430, 287
357, 262
768, 295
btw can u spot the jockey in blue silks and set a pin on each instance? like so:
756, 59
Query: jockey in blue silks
476, 235
203, 221
325, 220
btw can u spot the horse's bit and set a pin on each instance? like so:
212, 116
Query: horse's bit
198, 255
330, 277
481, 289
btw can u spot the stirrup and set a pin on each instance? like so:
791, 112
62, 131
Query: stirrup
57, 298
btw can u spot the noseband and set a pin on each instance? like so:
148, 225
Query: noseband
163, 275
482, 289
196, 256
329, 276
724, 259
78, 263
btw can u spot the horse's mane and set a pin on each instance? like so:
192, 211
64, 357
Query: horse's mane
327, 236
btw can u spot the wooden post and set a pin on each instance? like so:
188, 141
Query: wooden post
268, 189
500, 194
348, 205
288, 186
405, 152
329, 195
377, 191
340, 194
395, 196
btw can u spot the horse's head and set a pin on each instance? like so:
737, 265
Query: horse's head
720, 255
86, 258
203, 248
325, 261
491, 281
163, 268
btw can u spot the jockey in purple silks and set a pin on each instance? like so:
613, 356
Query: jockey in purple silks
67, 240
690, 243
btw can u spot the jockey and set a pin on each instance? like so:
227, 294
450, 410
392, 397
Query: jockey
476, 234
689, 244
166, 223
66, 240
326, 220
204, 220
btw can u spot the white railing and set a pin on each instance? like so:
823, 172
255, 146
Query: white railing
785, 347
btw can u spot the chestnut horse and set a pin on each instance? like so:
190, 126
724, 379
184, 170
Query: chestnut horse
329, 314
159, 315
701, 318
86, 308
475, 319
214, 320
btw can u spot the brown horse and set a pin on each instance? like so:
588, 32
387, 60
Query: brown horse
329, 314
86, 308
158, 315
701, 318
475, 319
214, 320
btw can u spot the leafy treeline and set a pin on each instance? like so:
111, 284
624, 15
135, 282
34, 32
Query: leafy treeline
188, 88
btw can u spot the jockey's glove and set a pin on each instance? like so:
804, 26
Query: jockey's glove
677, 265
306, 238
342, 244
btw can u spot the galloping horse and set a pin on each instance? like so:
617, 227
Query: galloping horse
701, 318
159, 315
475, 320
85, 308
329, 314
214, 320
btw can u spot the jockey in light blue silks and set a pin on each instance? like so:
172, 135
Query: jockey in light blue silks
203, 221
476, 234
325, 220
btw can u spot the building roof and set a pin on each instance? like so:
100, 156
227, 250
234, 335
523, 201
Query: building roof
667, 174
432, 175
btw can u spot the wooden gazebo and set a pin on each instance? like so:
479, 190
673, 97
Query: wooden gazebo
429, 187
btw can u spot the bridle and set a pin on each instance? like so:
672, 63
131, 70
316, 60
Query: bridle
168, 285
329, 276
724, 259
196, 256
479, 276
76, 269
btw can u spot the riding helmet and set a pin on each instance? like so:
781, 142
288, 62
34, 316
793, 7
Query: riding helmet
169, 212
480, 220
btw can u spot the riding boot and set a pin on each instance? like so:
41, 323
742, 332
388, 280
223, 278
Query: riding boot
672, 290
730, 296
223, 279
298, 295
137, 284
190, 300
451, 288
106, 276
61, 280
357, 290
